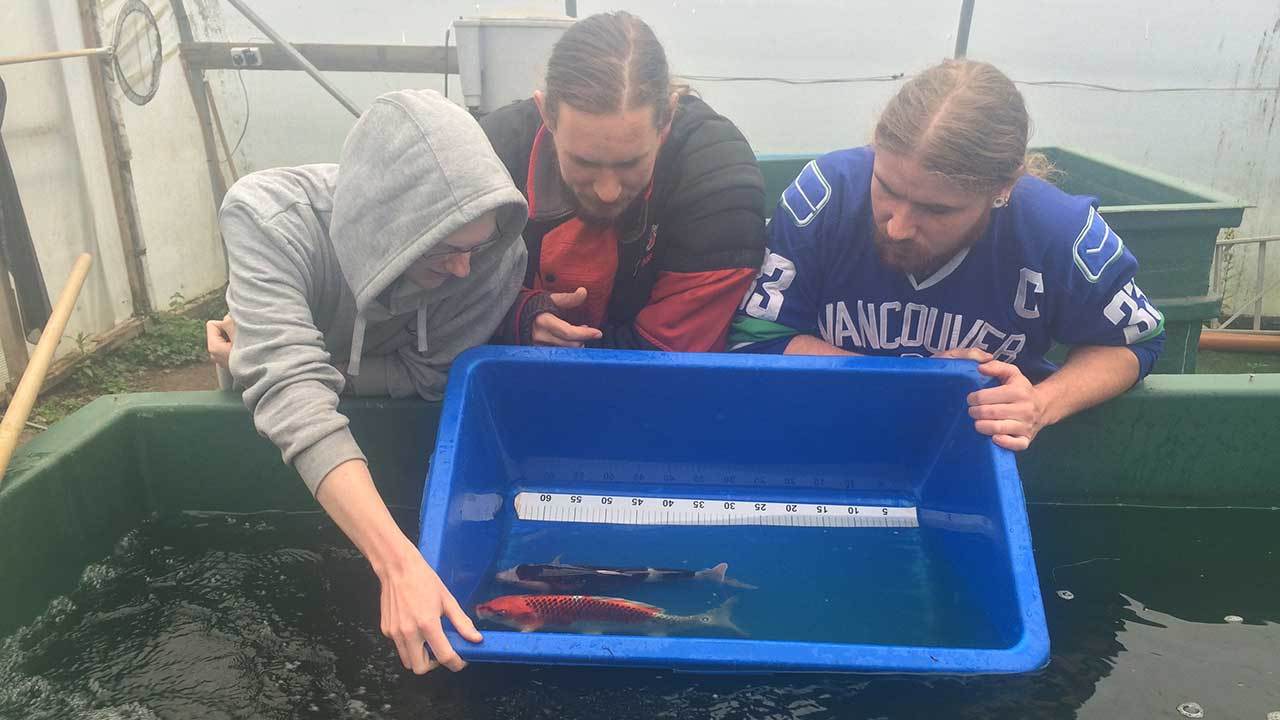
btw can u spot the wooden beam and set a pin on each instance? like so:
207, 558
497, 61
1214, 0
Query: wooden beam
196, 86
115, 144
222, 135
12, 342
428, 59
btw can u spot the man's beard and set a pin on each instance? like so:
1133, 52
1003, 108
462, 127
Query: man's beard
591, 214
910, 257
902, 255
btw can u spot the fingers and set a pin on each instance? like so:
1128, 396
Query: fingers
1010, 428
1000, 395
389, 631
410, 645
551, 330
545, 337
1011, 442
1002, 371
461, 622
421, 661
1001, 411
413, 605
216, 343
213, 335
975, 354
440, 647
570, 300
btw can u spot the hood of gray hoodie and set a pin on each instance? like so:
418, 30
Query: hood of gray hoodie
414, 169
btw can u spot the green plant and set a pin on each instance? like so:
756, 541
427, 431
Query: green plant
52, 411
84, 343
1228, 274
104, 375
169, 341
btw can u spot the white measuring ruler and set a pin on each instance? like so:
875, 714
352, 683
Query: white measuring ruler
648, 510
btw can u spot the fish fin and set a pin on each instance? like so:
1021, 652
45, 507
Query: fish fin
713, 574
556, 560
633, 603
613, 573
721, 617
718, 575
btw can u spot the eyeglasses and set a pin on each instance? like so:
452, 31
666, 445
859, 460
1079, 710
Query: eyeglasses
449, 250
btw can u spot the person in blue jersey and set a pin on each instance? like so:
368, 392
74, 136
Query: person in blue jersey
942, 239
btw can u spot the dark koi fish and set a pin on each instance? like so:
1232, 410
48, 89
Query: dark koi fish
559, 577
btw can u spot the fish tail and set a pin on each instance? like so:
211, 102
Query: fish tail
722, 617
718, 575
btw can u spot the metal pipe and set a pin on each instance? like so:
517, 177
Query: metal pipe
1256, 299
1216, 283
962, 34
1243, 331
297, 56
60, 55
1239, 342
1262, 278
1249, 240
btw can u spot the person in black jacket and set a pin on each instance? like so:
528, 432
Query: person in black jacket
646, 207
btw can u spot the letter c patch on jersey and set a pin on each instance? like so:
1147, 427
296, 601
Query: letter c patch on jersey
1030, 289
1096, 247
806, 197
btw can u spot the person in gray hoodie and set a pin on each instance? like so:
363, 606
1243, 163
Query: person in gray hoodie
368, 277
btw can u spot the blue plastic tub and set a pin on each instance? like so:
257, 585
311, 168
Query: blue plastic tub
883, 532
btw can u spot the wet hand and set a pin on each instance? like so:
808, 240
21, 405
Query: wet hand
218, 336
413, 601
551, 330
1013, 413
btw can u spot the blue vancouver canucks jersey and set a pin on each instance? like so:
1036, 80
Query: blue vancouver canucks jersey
1048, 269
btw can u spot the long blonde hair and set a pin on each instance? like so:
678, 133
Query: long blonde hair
965, 120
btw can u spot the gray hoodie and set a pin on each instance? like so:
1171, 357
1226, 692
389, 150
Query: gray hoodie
316, 256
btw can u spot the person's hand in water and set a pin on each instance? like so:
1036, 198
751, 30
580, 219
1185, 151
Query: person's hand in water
219, 336
414, 600
548, 329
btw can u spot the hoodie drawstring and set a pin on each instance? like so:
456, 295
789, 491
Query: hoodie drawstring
357, 345
357, 339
